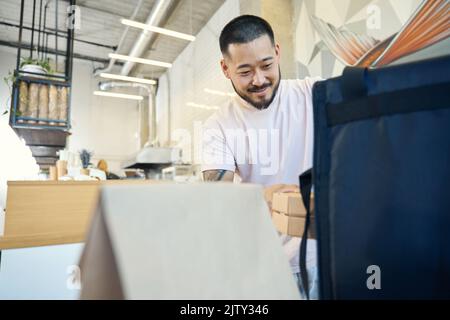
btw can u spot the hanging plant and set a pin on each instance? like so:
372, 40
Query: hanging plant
9, 80
44, 64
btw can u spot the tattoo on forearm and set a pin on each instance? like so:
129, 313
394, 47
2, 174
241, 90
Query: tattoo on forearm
215, 175
222, 172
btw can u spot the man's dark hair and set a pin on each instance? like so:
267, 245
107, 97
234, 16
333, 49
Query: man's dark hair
244, 29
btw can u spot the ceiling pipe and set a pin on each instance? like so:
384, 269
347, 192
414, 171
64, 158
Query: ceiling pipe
158, 13
119, 46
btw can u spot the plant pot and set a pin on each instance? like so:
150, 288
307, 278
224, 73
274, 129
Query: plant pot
84, 171
34, 68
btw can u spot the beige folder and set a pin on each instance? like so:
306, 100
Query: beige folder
184, 241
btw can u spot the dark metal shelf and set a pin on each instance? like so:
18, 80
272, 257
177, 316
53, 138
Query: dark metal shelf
44, 139
44, 79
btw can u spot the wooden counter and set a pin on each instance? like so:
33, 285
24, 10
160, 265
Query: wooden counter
40, 213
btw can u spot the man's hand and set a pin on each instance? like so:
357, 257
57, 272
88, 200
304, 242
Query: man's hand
218, 175
269, 191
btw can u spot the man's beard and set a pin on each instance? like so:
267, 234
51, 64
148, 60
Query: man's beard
264, 104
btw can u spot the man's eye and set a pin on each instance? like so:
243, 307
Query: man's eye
245, 73
267, 66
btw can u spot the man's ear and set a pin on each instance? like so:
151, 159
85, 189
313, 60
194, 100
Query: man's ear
277, 51
225, 69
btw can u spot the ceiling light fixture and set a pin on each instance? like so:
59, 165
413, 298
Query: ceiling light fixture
164, 31
125, 78
118, 95
140, 60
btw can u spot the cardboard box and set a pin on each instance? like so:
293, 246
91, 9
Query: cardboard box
290, 203
291, 225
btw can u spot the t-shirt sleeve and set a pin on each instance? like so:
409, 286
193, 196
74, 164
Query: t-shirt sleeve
310, 81
306, 87
216, 154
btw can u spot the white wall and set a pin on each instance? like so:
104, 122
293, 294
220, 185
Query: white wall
107, 126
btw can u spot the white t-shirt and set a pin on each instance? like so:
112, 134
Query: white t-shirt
267, 147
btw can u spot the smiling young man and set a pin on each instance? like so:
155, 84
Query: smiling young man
265, 133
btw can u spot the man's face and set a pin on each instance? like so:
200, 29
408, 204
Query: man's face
254, 71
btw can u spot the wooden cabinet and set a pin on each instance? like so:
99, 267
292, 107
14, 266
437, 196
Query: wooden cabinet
40, 213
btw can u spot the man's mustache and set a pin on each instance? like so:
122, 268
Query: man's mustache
256, 89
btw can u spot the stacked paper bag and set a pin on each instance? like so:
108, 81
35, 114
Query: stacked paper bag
289, 214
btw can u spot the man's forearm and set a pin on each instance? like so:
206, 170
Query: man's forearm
218, 175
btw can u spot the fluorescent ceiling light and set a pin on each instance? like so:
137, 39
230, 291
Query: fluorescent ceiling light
219, 93
125, 78
202, 106
140, 60
167, 32
118, 95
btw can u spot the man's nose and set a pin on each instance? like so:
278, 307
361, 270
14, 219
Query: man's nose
259, 78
